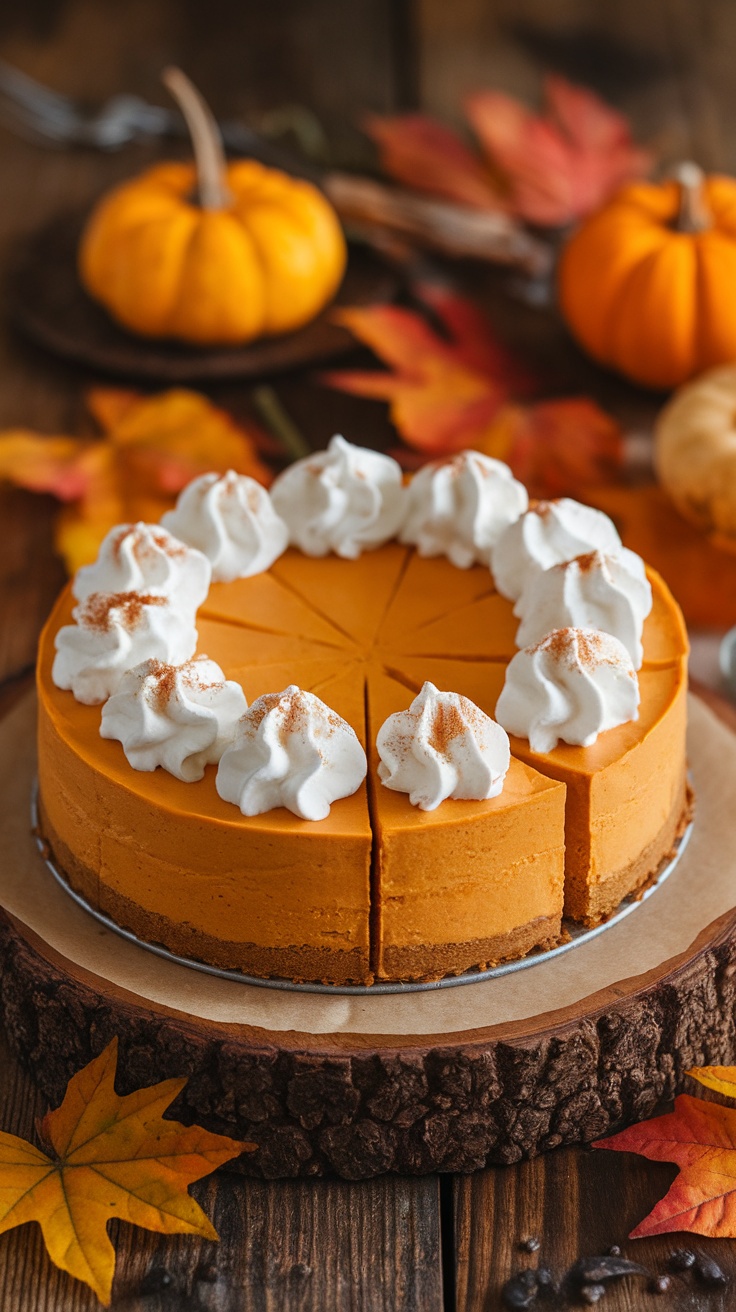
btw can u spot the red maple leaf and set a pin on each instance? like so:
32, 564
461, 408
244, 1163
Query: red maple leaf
548, 169
563, 164
700, 1138
422, 153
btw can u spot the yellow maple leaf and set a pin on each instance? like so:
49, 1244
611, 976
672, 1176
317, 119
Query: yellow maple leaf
720, 1078
151, 447
112, 1156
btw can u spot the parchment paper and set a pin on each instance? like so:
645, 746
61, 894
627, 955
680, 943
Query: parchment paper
702, 888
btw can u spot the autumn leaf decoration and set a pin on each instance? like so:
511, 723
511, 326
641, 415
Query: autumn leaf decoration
464, 389
151, 447
108, 1156
548, 169
700, 1138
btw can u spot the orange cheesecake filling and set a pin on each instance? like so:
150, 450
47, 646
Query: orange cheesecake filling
379, 887
622, 793
449, 877
354, 594
149, 848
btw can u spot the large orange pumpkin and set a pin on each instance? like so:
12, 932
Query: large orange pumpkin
208, 253
648, 284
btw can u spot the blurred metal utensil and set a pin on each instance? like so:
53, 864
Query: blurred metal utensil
53, 119
49, 116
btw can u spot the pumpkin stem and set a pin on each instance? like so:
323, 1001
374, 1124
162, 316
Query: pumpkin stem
693, 214
206, 140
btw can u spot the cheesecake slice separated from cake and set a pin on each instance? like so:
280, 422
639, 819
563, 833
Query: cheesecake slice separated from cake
626, 797
469, 884
626, 794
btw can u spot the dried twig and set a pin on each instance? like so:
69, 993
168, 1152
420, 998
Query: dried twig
455, 230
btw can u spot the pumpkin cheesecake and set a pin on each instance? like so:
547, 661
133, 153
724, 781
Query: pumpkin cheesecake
296, 896
379, 889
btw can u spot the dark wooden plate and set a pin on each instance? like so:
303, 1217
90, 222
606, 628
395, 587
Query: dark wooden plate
47, 303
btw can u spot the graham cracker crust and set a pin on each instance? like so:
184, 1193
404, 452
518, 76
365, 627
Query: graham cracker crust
594, 903
424, 962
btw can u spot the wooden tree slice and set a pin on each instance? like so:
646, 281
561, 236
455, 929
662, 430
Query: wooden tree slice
47, 302
360, 1105
491, 1083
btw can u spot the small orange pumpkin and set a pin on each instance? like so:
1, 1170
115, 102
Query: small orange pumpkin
648, 284
212, 254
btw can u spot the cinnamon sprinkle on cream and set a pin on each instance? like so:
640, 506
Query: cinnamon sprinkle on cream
163, 685
592, 648
295, 718
544, 508
256, 713
589, 647
141, 543
97, 611
170, 546
160, 680
253, 498
585, 563
447, 724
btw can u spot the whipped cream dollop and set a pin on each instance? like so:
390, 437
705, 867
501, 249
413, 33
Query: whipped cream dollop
112, 633
459, 508
548, 534
344, 499
291, 750
573, 685
145, 558
600, 590
181, 717
231, 519
443, 746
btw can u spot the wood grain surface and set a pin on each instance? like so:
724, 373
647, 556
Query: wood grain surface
393, 1244
311, 1245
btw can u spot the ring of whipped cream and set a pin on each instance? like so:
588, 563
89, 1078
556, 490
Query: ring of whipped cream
581, 599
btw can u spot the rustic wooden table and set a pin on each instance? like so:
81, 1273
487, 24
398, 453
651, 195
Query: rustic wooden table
390, 1243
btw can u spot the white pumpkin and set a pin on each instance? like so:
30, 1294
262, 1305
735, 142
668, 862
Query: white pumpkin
695, 450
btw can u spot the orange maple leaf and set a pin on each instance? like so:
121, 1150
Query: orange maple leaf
112, 1156
547, 169
556, 447
700, 1138
152, 446
450, 392
445, 390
